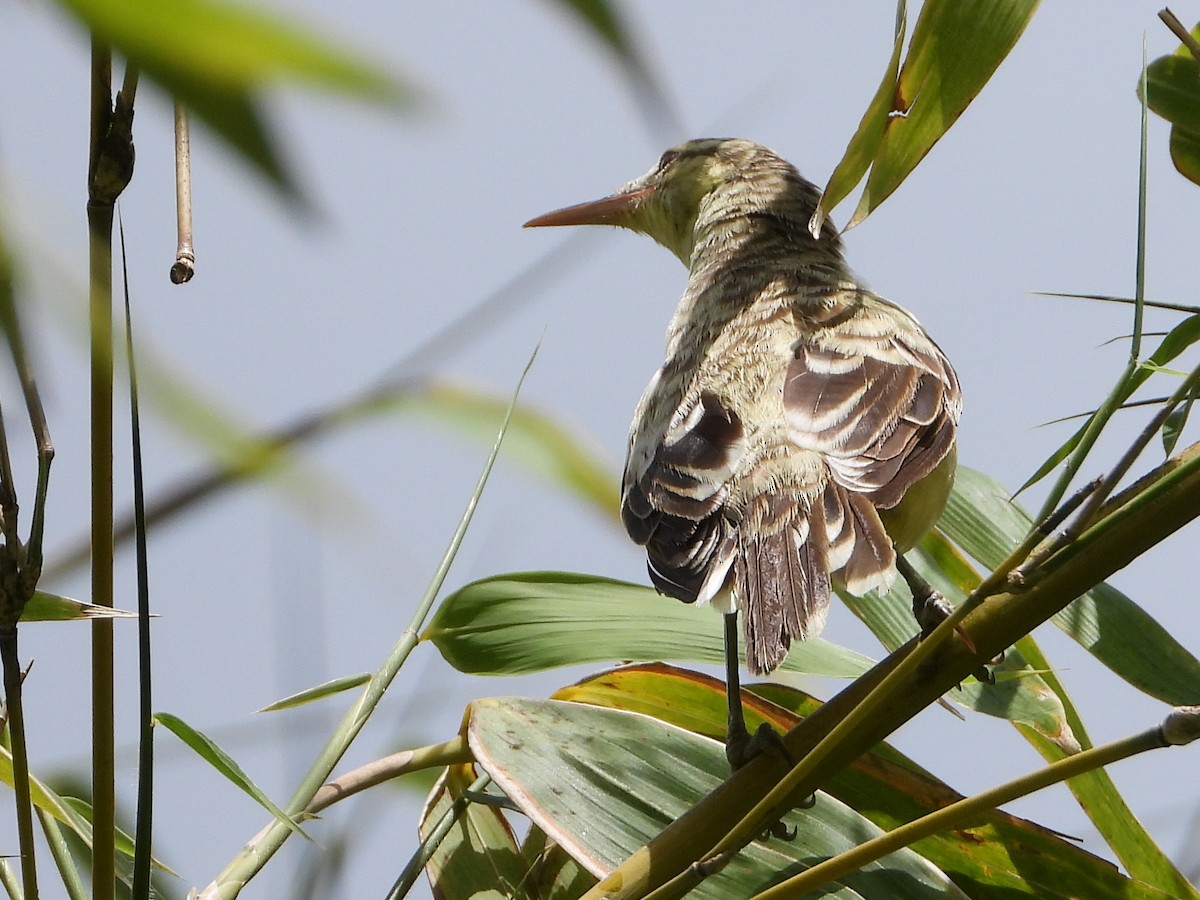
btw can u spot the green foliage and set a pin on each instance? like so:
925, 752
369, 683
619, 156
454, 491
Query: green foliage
630, 758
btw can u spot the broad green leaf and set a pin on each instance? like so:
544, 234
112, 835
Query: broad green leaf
602, 782
123, 843
1013, 857
46, 607
215, 57
534, 439
1173, 89
208, 750
478, 858
530, 621
1185, 152
865, 143
329, 688
956, 47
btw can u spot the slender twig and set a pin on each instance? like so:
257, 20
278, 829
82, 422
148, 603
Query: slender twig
185, 257
60, 851
20, 759
9, 881
429, 846
387, 768
1108, 298
1180, 31
1178, 729
1104, 488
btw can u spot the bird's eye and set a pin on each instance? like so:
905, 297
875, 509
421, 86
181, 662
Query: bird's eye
667, 158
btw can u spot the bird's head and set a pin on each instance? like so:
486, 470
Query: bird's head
698, 182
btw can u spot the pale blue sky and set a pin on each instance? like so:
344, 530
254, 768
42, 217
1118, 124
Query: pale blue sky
262, 594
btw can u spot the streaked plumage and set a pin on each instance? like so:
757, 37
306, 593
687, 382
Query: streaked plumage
774, 451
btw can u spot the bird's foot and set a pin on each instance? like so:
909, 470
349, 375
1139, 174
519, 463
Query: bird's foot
931, 609
741, 746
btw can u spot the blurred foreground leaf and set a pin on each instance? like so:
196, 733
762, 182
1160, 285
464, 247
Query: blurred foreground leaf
217, 57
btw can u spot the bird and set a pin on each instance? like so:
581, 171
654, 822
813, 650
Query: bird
801, 431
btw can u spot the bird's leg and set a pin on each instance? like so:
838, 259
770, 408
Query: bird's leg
737, 738
740, 745
931, 608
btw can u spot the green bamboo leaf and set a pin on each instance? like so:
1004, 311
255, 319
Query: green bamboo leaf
530, 621
215, 57
863, 146
328, 689
1185, 152
1173, 90
1174, 425
46, 607
208, 750
478, 858
956, 47
1013, 857
232, 45
602, 782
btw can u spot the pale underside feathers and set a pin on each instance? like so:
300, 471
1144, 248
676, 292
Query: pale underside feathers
793, 407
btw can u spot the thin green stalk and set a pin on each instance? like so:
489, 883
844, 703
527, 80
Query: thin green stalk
60, 851
1114, 400
20, 759
103, 727
1139, 290
110, 166
429, 846
956, 813
260, 849
99, 218
145, 788
9, 880
1091, 434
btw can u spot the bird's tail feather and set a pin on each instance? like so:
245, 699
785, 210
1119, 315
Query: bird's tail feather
781, 577
782, 569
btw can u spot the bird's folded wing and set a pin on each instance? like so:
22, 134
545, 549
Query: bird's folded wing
882, 412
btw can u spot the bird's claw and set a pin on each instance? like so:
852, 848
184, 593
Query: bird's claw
742, 747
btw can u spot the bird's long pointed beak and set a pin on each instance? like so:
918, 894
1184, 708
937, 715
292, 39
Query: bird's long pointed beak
612, 210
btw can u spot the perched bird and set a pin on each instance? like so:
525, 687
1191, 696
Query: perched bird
802, 428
